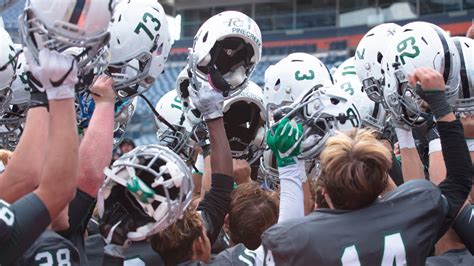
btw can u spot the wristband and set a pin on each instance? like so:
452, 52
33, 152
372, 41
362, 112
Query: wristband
434, 146
470, 144
405, 138
437, 101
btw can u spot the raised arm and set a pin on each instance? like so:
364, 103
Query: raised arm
457, 185
95, 151
19, 178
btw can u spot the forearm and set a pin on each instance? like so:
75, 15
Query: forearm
58, 179
20, 179
457, 185
291, 192
95, 151
206, 177
412, 167
437, 167
221, 158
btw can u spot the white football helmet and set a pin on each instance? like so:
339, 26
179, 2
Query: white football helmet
244, 122
321, 111
20, 88
371, 113
61, 24
370, 51
225, 51
145, 191
291, 77
139, 45
465, 102
347, 68
180, 139
418, 44
8, 63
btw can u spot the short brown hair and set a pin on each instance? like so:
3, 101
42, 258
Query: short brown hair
175, 243
354, 169
252, 211
5, 156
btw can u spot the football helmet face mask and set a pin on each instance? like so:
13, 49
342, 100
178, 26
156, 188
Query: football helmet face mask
145, 191
124, 111
418, 44
8, 64
290, 78
321, 111
225, 51
372, 113
139, 45
62, 24
244, 122
368, 59
20, 88
465, 102
268, 176
179, 140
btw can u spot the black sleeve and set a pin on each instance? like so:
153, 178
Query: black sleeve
80, 210
457, 185
216, 204
395, 171
27, 218
464, 227
112, 261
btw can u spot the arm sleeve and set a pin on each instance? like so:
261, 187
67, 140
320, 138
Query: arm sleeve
216, 204
395, 171
80, 210
26, 219
291, 191
464, 227
457, 185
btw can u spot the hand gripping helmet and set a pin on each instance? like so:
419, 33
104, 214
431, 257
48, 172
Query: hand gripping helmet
368, 57
291, 77
178, 140
244, 122
139, 45
418, 44
61, 24
322, 111
226, 49
465, 102
124, 110
145, 191
371, 113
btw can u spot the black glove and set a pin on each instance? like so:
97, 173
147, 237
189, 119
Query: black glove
38, 98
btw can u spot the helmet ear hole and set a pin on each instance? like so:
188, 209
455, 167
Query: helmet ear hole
335, 101
379, 57
204, 39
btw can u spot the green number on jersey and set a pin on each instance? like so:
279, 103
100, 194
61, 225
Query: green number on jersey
309, 76
403, 45
142, 26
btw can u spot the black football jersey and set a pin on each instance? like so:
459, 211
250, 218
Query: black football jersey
50, 249
21, 223
237, 255
457, 257
398, 229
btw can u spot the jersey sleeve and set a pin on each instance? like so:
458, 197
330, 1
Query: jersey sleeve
216, 204
21, 223
80, 210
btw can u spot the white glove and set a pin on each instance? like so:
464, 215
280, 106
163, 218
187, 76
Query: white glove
209, 101
56, 73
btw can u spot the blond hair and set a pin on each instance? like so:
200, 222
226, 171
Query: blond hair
5, 155
354, 169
